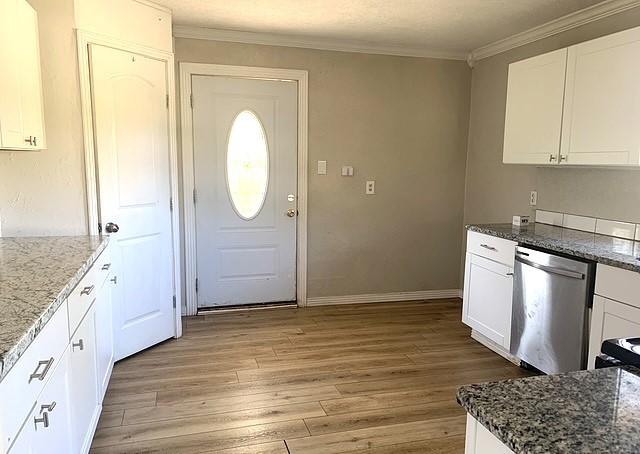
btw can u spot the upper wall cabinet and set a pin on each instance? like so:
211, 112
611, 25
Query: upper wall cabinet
21, 111
576, 106
534, 109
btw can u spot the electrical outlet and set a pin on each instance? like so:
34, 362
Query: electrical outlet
370, 188
533, 198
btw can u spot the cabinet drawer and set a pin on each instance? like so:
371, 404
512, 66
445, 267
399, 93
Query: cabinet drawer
85, 292
618, 284
491, 247
24, 382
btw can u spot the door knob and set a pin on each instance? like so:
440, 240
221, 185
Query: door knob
111, 227
291, 212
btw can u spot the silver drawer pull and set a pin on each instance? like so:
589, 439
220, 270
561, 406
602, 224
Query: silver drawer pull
87, 290
491, 248
49, 407
40, 375
114, 279
79, 344
44, 420
106, 266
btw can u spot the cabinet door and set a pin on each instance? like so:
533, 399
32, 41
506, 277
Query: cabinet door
533, 116
21, 109
83, 381
610, 320
104, 336
602, 103
24, 441
488, 288
51, 418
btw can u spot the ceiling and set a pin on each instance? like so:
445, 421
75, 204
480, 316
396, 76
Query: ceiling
444, 25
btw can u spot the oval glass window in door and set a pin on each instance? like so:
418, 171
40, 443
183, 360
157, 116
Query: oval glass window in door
247, 165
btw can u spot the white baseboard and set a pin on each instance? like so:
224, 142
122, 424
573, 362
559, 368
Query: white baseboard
384, 297
494, 347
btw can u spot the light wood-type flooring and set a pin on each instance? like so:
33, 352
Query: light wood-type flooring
369, 378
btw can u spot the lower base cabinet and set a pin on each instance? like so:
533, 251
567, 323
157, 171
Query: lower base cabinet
611, 320
488, 289
83, 383
479, 440
47, 428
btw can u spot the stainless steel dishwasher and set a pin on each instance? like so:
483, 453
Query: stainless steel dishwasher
552, 295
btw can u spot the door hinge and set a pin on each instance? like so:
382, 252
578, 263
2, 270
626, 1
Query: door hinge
167, 100
99, 227
191, 100
194, 196
170, 203
196, 284
174, 301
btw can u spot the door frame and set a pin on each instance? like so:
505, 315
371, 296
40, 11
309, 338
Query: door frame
84, 38
187, 70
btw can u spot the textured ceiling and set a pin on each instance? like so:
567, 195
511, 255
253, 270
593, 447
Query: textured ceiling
448, 25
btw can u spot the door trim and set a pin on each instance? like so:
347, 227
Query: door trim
84, 38
187, 70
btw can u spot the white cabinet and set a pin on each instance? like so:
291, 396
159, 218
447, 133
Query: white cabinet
488, 287
478, 440
488, 292
576, 106
84, 382
602, 101
21, 107
533, 114
47, 427
616, 308
52, 417
610, 320
104, 336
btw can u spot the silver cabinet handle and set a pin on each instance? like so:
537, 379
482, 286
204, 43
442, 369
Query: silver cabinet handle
35, 141
40, 375
491, 248
79, 344
563, 157
87, 290
114, 279
29, 140
106, 266
552, 157
44, 420
509, 274
49, 407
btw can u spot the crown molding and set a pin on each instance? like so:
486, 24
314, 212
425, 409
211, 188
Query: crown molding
271, 39
573, 20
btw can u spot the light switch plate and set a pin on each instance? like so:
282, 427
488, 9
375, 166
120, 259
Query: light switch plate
370, 187
322, 167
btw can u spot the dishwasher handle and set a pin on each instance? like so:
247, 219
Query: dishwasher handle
550, 269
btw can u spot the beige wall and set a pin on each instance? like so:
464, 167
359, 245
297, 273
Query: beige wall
494, 191
43, 192
400, 121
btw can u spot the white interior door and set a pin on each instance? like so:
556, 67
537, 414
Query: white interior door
245, 152
132, 151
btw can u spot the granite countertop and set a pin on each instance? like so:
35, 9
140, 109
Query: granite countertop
36, 276
595, 411
603, 249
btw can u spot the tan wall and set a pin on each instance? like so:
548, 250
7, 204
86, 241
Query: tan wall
400, 121
494, 191
42, 193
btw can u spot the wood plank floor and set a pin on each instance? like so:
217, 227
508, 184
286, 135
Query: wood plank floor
372, 378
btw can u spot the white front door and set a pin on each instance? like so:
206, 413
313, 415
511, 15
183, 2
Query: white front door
132, 151
245, 151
